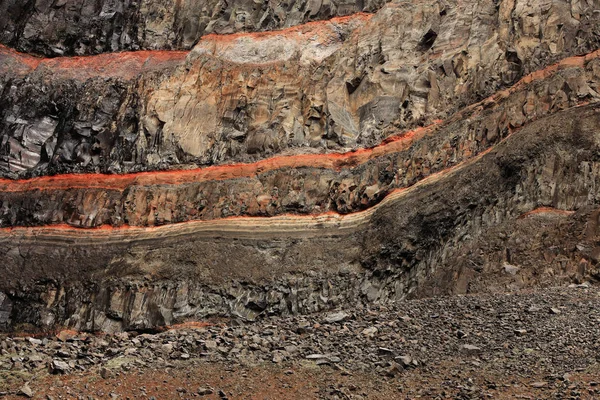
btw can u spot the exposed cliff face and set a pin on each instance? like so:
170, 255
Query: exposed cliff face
81, 27
140, 277
338, 85
342, 183
352, 160
150, 116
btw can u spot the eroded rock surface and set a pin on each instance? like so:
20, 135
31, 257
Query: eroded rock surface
75, 27
337, 85
289, 264
303, 184
428, 148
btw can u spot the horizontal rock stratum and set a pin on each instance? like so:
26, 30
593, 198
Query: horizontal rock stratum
414, 151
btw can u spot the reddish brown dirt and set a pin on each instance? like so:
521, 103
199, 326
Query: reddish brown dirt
265, 382
450, 380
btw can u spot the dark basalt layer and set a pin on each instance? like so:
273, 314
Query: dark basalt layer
395, 250
332, 86
80, 27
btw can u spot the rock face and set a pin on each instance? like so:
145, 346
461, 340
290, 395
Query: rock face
333, 86
80, 27
5, 310
366, 158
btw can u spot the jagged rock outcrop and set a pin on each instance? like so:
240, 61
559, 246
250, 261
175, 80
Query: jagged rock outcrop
338, 85
320, 183
304, 264
366, 158
81, 27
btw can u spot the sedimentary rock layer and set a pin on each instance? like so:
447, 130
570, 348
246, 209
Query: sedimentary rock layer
115, 105
308, 184
76, 27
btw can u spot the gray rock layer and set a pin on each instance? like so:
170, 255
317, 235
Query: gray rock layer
80, 27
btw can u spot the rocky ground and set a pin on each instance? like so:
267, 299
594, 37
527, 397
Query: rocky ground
534, 344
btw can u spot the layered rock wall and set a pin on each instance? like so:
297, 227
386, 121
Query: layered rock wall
307, 184
333, 86
366, 158
253, 266
70, 27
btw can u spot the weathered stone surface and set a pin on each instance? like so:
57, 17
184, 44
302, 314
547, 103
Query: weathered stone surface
26, 391
360, 160
343, 184
59, 367
336, 85
76, 27
287, 265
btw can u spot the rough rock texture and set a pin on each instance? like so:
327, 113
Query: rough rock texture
250, 266
538, 343
319, 183
430, 148
338, 85
80, 27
